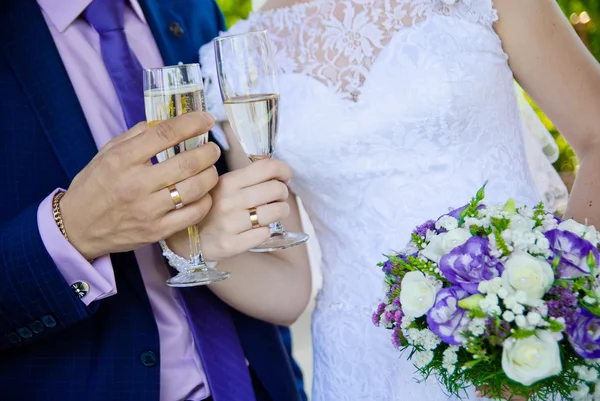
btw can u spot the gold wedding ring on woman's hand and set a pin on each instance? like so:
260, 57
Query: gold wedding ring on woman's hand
254, 217
175, 196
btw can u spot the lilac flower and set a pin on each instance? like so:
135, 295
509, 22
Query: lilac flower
562, 303
446, 318
573, 252
421, 230
469, 264
377, 313
387, 267
584, 334
396, 337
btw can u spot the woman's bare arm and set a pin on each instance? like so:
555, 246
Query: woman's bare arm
553, 66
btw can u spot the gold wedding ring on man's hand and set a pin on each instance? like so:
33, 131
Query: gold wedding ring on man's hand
254, 217
175, 196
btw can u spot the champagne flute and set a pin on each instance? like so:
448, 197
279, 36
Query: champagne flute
248, 80
170, 92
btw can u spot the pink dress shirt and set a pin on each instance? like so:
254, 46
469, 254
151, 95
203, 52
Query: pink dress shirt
181, 374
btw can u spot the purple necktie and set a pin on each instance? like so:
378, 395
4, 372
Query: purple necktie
220, 349
107, 18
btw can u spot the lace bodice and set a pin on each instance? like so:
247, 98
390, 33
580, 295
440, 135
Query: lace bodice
392, 111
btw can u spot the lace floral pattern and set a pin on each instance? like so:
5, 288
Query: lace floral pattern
391, 112
337, 42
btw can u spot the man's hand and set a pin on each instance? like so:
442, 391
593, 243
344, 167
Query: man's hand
227, 231
120, 201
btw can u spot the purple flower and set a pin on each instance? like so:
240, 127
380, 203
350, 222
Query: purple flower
396, 337
377, 314
562, 303
421, 230
387, 267
584, 334
469, 264
446, 318
456, 212
573, 251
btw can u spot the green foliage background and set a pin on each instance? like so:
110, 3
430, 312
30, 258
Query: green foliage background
235, 10
567, 162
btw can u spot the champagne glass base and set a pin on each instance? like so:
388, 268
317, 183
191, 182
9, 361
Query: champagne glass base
278, 242
197, 276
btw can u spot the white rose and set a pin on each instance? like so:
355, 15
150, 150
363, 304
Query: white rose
532, 276
519, 223
583, 231
531, 359
443, 243
417, 294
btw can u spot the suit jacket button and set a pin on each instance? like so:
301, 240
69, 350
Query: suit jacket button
25, 332
80, 288
36, 326
48, 321
148, 359
13, 338
176, 29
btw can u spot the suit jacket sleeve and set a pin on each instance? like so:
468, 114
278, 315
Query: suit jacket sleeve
35, 299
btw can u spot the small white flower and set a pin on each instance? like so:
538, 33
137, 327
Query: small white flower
406, 321
532, 359
519, 223
534, 319
581, 393
477, 326
447, 222
521, 321
508, 316
543, 310
417, 294
585, 373
549, 223
489, 305
423, 359
502, 293
450, 359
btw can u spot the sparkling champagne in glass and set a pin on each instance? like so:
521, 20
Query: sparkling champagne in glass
170, 92
248, 80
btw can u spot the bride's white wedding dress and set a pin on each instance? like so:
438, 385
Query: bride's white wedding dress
392, 111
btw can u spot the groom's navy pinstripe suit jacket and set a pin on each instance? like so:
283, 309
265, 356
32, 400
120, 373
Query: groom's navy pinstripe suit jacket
53, 347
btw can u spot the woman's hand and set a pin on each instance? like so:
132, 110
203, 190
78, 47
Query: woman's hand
481, 393
227, 230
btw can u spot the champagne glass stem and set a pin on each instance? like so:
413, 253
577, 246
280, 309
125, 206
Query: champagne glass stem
196, 259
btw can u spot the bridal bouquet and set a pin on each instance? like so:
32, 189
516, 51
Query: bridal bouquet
502, 297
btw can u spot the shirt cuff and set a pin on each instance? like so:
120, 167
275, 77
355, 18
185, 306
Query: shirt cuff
99, 275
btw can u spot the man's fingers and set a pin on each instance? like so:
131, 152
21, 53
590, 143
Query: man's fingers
189, 190
165, 134
182, 166
133, 131
256, 173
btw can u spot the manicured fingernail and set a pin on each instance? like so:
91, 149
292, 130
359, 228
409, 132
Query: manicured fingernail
478, 394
